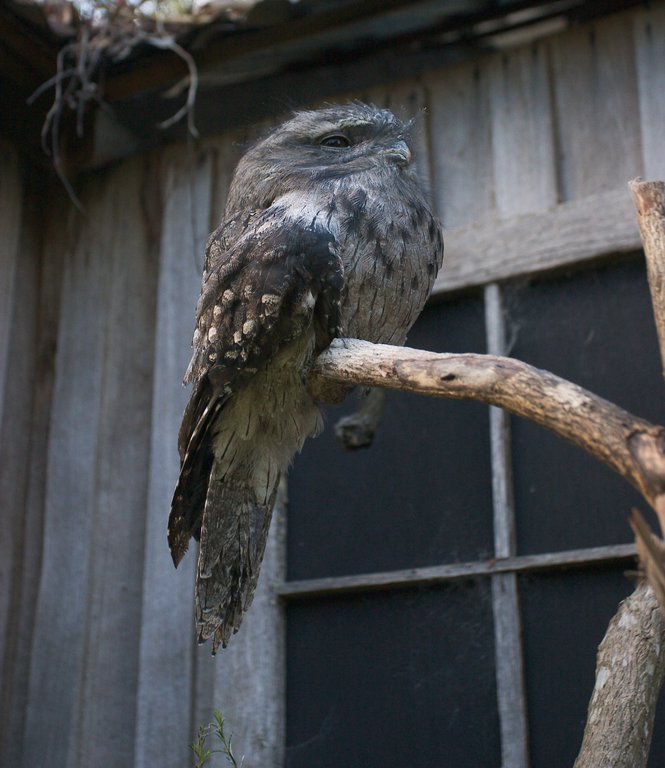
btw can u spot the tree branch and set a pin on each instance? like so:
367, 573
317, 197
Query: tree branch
631, 446
630, 669
649, 200
631, 659
630, 666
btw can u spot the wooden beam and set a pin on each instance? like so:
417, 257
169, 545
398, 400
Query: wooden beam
29, 50
176, 204
439, 574
632, 447
221, 48
304, 38
571, 232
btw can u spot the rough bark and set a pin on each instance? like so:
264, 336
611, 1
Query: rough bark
651, 551
629, 445
630, 666
649, 199
629, 674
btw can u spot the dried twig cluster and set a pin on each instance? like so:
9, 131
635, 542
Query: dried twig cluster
107, 35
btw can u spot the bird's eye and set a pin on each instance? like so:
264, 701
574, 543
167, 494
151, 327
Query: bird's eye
336, 140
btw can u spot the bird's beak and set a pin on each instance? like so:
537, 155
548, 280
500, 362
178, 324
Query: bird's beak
399, 153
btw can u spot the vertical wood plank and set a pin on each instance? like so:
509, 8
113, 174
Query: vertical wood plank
105, 723
11, 200
19, 291
461, 162
167, 622
226, 151
12, 435
650, 57
47, 246
85, 644
595, 79
60, 618
522, 132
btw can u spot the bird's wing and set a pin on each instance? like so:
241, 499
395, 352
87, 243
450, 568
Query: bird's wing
267, 279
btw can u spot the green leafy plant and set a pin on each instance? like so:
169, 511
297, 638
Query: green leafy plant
203, 752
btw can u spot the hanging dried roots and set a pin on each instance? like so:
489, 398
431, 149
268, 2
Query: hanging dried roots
108, 35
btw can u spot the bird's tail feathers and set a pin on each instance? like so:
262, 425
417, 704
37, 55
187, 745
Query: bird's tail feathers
233, 541
190, 491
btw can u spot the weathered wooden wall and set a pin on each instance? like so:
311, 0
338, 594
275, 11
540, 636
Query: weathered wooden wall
527, 152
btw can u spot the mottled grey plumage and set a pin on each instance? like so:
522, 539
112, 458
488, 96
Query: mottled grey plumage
326, 233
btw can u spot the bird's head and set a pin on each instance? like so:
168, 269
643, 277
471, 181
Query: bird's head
320, 147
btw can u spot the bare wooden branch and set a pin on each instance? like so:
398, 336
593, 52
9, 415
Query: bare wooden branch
631, 446
651, 551
649, 199
630, 666
630, 670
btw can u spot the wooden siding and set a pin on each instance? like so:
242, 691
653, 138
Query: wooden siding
166, 660
11, 197
527, 153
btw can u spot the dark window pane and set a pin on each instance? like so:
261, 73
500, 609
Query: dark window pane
565, 616
596, 329
420, 495
389, 680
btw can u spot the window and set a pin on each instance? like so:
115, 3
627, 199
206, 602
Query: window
420, 629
